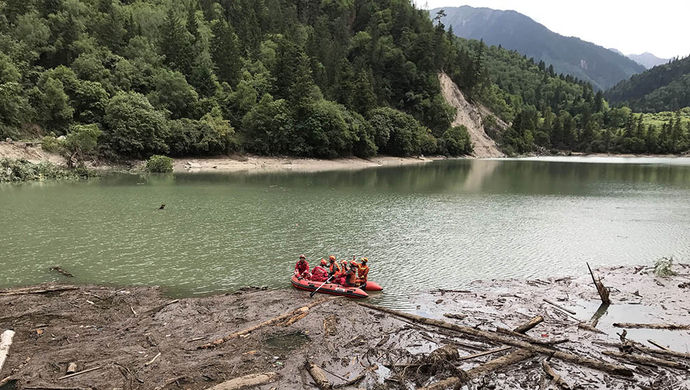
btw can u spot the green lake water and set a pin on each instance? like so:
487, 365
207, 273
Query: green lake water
439, 225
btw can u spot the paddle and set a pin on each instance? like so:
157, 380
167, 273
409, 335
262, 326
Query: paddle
311, 295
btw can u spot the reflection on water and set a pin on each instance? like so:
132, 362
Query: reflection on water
438, 225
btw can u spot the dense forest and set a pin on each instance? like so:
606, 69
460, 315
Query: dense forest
133, 78
663, 88
325, 79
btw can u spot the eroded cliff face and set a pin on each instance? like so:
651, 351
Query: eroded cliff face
470, 116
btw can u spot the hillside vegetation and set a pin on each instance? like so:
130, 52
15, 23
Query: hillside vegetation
325, 79
662, 88
136, 78
586, 61
551, 112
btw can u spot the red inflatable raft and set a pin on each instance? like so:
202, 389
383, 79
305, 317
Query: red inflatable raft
331, 288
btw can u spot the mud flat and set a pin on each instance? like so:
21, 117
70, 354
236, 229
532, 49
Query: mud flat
138, 338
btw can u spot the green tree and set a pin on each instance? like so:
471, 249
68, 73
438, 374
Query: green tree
133, 127
82, 142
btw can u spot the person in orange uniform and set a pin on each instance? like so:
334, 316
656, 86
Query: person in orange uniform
363, 271
351, 278
334, 270
319, 273
302, 268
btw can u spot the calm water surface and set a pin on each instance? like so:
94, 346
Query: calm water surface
439, 225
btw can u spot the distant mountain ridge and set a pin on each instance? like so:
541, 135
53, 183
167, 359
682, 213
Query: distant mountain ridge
648, 60
515, 31
663, 88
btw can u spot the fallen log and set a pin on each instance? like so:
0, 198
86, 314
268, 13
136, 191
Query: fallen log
503, 361
586, 326
529, 325
480, 354
79, 373
601, 289
646, 360
642, 348
559, 306
651, 326
283, 318
555, 378
318, 375
455, 316
500, 339
247, 381
5, 343
654, 343
32, 290
530, 339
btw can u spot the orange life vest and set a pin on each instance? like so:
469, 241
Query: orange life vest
362, 272
334, 269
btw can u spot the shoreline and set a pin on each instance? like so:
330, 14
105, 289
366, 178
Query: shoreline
136, 337
264, 164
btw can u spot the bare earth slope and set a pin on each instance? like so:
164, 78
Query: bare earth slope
469, 116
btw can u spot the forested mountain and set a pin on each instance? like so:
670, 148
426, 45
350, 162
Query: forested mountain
662, 88
569, 55
648, 60
325, 79
552, 112
133, 78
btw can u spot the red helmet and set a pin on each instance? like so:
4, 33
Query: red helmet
302, 256
323, 262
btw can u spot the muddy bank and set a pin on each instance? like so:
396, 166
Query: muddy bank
137, 338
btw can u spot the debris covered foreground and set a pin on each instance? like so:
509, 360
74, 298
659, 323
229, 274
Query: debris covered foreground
495, 334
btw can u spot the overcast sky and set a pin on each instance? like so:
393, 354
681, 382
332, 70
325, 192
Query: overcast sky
661, 27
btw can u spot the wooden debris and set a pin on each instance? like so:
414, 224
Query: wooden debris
79, 373
662, 352
603, 291
358, 378
555, 378
318, 375
50, 387
34, 290
161, 307
480, 354
651, 326
586, 326
654, 343
497, 338
150, 362
62, 271
648, 360
503, 361
492, 365
529, 325
559, 306
5, 343
277, 320
71, 368
455, 316
330, 325
246, 381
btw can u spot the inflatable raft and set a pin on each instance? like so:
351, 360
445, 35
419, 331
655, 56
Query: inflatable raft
331, 288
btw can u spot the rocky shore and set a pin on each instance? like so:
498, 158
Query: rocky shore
503, 334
